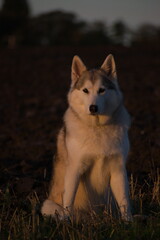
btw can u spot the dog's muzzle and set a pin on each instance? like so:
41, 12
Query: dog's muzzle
93, 109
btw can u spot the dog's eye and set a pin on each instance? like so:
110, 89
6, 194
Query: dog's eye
101, 90
85, 90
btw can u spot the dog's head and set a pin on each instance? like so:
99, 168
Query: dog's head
96, 91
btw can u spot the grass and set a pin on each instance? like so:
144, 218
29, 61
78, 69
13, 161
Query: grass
20, 218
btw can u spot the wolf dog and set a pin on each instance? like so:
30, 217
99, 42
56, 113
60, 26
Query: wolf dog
92, 145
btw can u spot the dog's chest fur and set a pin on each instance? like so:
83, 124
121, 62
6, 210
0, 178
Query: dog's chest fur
96, 147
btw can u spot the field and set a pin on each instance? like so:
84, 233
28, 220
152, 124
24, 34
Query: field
33, 87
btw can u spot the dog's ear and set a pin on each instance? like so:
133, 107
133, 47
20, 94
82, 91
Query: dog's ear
109, 67
77, 68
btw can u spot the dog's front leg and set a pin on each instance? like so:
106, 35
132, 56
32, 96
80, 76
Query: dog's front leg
70, 187
120, 190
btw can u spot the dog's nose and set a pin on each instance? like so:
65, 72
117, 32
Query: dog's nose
93, 109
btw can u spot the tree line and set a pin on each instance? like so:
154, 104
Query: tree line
17, 27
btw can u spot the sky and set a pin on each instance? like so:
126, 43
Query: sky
133, 12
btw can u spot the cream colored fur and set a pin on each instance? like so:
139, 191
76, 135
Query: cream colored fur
92, 148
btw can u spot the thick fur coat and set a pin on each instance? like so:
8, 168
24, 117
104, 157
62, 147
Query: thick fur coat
92, 146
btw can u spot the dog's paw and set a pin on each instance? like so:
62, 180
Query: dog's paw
50, 208
127, 218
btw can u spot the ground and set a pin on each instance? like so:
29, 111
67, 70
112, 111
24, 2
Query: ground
33, 87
